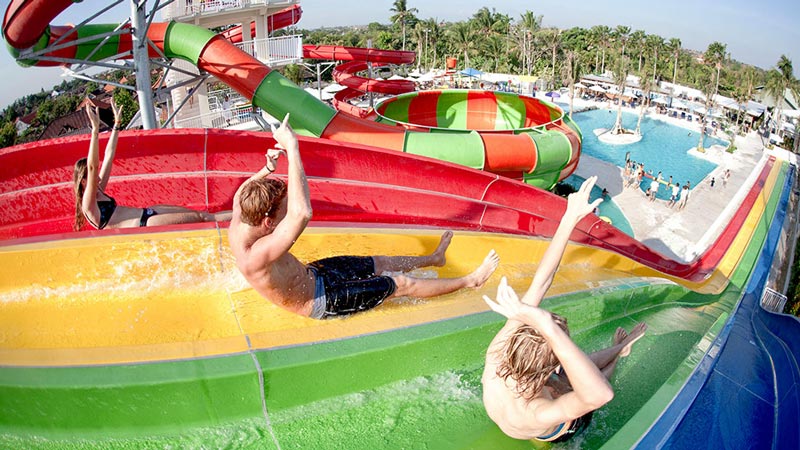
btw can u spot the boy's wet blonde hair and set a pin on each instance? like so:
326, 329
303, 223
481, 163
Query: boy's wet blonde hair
527, 358
261, 198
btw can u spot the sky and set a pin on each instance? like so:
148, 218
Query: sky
756, 33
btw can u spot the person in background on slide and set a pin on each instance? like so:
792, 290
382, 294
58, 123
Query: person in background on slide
92, 204
537, 384
269, 215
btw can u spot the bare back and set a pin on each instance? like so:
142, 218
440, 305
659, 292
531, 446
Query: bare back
284, 281
512, 413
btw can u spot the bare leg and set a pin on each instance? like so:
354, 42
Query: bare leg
424, 288
606, 359
175, 218
406, 263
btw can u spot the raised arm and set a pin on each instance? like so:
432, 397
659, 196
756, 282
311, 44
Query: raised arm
591, 389
578, 207
89, 200
111, 147
298, 201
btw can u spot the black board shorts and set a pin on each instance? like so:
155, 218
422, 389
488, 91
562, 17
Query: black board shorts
350, 284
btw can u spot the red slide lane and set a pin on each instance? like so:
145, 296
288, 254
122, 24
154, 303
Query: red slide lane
202, 169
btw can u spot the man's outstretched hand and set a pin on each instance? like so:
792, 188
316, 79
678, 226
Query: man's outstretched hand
578, 205
509, 305
284, 135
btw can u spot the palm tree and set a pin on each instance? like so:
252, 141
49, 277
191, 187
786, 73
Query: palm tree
646, 84
637, 41
654, 43
571, 71
708, 92
403, 15
552, 40
620, 79
433, 35
622, 33
714, 55
530, 24
779, 80
464, 39
602, 34
674, 46
495, 47
741, 97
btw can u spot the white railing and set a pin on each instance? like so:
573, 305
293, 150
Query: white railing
219, 118
183, 8
275, 51
773, 301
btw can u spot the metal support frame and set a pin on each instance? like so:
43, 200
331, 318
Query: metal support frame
327, 65
141, 62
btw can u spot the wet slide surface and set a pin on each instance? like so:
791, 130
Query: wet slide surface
127, 339
400, 375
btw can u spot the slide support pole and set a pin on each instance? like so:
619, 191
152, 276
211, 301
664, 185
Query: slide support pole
141, 62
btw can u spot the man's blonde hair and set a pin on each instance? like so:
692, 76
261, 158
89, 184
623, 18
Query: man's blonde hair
261, 198
527, 358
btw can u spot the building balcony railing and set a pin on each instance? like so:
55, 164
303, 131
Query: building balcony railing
276, 51
189, 8
221, 118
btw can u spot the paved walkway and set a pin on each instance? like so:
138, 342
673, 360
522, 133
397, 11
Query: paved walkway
684, 234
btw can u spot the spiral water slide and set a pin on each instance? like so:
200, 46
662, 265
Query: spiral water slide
148, 338
545, 155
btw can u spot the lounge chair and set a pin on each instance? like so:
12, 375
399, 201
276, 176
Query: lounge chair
683, 115
689, 118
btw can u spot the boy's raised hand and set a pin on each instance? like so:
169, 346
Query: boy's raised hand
578, 205
284, 135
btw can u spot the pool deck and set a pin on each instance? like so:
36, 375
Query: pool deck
682, 234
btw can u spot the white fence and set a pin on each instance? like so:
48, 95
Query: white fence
220, 118
773, 301
275, 51
183, 8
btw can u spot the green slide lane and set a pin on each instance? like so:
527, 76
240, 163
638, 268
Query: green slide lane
408, 388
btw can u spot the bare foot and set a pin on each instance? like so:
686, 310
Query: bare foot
477, 278
619, 336
438, 257
636, 333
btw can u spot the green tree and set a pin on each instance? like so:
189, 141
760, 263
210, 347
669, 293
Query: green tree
463, 39
714, 56
571, 71
779, 80
646, 84
8, 134
620, 79
294, 72
602, 35
637, 42
654, 44
403, 16
674, 46
125, 99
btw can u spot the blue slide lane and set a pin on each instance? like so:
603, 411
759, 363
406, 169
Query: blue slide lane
745, 392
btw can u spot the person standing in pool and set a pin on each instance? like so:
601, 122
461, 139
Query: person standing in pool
269, 215
537, 383
94, 205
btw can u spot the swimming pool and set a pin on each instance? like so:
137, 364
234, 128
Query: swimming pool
663, 147
607, 208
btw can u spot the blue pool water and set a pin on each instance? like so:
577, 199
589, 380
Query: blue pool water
663, 147
607, 208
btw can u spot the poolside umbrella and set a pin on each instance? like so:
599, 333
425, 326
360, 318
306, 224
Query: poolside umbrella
580, 85
470, 72
597, 88
552, 94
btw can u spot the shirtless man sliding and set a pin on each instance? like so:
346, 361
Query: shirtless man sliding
268, 217
537, 384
